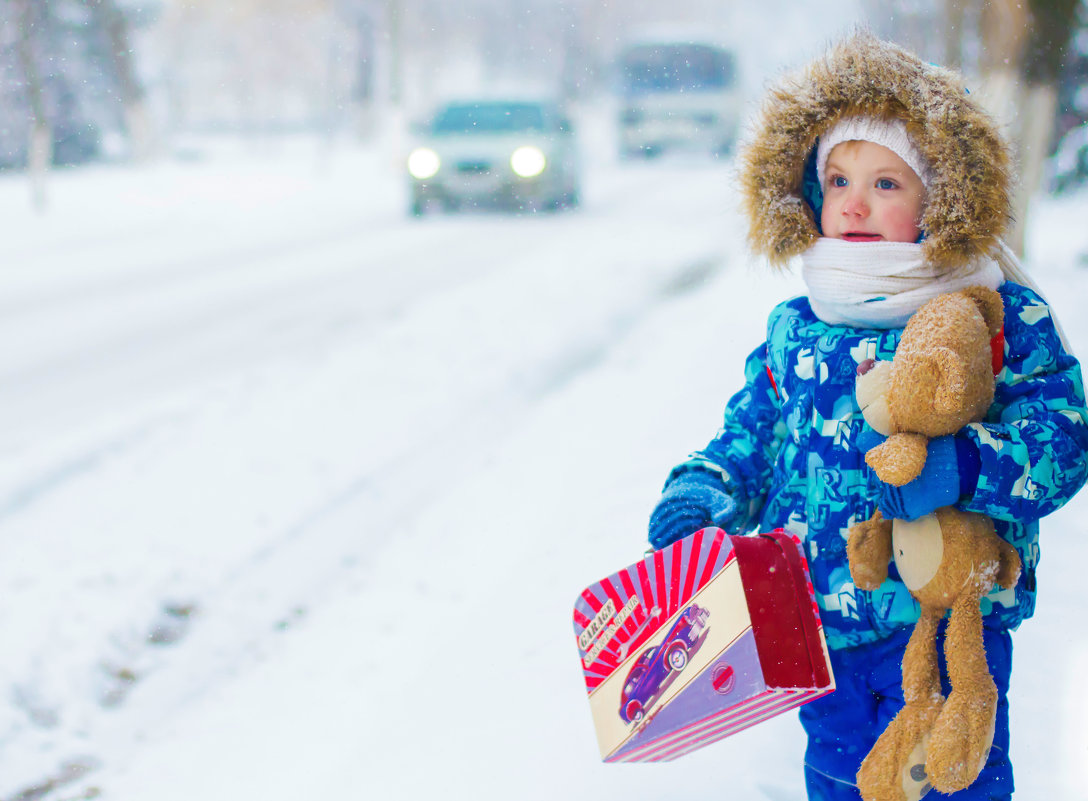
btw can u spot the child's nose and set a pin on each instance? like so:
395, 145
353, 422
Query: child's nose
855, 205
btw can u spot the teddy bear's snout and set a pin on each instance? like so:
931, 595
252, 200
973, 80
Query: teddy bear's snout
866, 366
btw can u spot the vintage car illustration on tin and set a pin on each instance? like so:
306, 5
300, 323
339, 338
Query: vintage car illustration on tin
656, 667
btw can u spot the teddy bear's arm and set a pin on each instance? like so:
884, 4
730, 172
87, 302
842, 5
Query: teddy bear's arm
899, 459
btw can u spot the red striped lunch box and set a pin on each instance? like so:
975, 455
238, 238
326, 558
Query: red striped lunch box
698, 641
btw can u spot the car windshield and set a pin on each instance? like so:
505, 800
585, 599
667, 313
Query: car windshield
676, 68
489, 118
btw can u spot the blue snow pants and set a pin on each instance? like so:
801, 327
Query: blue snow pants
844, 725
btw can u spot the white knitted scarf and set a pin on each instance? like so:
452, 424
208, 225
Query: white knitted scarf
881, 284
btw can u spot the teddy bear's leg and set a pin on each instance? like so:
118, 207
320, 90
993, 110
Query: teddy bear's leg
894, 769
869, 550
964, 730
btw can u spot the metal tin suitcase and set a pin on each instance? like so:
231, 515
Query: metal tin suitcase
698, 641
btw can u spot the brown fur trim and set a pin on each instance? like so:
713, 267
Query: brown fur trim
967, 206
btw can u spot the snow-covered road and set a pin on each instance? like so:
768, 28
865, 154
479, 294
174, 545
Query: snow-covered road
297, 491
192, 408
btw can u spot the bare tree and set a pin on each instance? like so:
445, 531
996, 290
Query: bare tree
1003, 28
1011, 51
1022, 48
261, 65
137, 122
1052, 26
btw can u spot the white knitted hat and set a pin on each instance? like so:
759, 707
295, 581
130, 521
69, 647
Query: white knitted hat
892, 134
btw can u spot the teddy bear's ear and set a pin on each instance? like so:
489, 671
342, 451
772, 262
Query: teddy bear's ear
990, 306
950, 393
935, 374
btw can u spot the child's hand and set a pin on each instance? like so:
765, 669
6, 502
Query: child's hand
951, 470
693, 500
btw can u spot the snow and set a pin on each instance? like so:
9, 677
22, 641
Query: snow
296, 492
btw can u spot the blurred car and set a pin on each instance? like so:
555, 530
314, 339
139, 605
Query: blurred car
655, 666
513, 153
677, 94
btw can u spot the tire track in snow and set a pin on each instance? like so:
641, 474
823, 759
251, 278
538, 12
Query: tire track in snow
334, 541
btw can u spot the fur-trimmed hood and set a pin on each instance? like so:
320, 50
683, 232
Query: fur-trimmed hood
967, 204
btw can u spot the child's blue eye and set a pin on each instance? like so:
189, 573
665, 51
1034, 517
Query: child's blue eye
885, 183
838, 180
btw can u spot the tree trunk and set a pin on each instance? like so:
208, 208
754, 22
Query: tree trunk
955, 24
39, 151
1004, 32
1038, 108
396, 54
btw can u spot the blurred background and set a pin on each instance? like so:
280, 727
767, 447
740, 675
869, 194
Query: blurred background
344, 342
85, 81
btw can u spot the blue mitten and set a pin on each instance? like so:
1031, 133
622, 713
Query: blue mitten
693, 500
951, 471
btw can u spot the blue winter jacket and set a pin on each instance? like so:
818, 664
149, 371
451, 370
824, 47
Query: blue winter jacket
787, 453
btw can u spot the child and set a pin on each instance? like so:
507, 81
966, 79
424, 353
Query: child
907, 180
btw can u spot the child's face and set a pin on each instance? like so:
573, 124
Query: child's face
870, 195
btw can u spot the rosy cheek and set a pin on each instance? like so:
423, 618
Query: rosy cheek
828, 216
902, 224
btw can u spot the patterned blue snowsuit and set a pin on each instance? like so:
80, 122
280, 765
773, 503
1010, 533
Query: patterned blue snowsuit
788, 454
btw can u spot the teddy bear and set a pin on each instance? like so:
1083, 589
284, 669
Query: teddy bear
940, 379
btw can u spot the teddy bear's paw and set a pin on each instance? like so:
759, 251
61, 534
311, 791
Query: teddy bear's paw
900, 459
878, 778
895, 768
961, 740
914, 779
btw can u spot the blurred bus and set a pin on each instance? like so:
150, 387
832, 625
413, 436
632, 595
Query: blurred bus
677, 95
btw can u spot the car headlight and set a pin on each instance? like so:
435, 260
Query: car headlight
528, 161
423, 163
